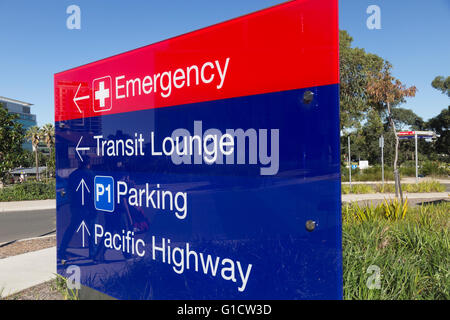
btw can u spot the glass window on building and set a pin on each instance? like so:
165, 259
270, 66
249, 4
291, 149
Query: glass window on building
26, 118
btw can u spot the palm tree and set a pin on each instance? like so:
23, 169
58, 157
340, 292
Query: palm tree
48, 135
34, 135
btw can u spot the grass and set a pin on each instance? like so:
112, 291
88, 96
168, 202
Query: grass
369, 174
55, 289
357, 189
421, 187
60, 285
411, 250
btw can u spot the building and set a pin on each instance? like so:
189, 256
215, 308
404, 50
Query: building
25, 173
26, 118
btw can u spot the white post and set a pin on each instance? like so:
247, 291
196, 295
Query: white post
417, 163
349, 165
382, 159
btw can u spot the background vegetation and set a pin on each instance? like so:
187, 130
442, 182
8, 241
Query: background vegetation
365, 116
12, 155
32, 190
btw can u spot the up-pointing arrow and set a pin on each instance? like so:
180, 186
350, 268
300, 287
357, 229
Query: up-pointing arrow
75, 98
78, 148
83, 185
83, 227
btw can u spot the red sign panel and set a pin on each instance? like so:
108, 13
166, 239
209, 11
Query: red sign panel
405, 133
245, 56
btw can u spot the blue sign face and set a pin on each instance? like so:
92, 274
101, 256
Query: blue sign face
208, 166
161, 229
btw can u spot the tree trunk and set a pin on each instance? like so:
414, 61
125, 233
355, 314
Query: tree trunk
37, 164
398, 187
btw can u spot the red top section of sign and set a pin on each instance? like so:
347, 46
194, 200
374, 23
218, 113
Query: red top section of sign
406, 133
290, 46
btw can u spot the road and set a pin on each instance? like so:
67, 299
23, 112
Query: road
26, 224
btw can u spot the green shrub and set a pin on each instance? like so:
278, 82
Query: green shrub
345, 189
387, 188
435, 168
369, 174
357, 189
363, 189
394, 209
29, 191
429, 186
352, 212
388, 209
407, 171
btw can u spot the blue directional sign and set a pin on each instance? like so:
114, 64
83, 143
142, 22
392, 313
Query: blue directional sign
207, 166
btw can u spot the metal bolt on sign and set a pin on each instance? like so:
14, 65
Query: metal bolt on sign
308, 97
310, 225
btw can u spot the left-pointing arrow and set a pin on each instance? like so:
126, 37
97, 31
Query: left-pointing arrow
78, 148
75, 98
83, 185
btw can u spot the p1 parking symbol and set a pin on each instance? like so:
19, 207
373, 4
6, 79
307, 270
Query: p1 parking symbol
104, 193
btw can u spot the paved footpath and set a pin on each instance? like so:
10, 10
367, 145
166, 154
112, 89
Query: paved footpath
381, 196
33, 205
26, 270
29, 269
409, 180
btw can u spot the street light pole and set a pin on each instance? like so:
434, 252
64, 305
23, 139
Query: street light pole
417, 163
382, 159
349, 165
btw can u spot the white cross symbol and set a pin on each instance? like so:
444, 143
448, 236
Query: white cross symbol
102, 94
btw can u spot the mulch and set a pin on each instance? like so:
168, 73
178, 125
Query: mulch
24, 246
43, 291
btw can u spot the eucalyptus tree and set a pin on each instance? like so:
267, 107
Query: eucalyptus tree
385, 91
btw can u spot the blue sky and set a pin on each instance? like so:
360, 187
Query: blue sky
413, 38
35, 43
